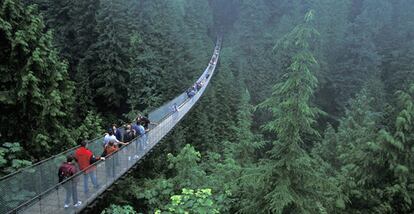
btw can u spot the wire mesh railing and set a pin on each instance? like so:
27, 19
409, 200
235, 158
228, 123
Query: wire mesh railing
36, 189
158, 114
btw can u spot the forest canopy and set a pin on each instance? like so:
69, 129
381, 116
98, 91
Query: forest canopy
311, 109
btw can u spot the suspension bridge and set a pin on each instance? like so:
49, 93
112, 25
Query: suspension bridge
37, 190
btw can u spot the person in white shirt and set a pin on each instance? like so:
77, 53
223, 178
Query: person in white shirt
111, 137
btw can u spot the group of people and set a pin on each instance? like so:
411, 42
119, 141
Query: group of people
114, 139
212, 62
198, 85
193, 89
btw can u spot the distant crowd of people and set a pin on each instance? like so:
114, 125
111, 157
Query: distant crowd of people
116, 137
83, 159
199, 84
194, 89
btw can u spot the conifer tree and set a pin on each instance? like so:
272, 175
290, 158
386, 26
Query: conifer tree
159, 68
144, 73
197, 19
377, 169
252, 47
74, 27
73, 24
106, 62
293, 182
36, 96
361, 59
244, 144
358, 126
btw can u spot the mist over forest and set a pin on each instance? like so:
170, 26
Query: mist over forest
310, 108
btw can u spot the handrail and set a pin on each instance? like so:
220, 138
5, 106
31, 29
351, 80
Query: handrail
62, 182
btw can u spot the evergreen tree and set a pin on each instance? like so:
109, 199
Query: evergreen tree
358, 127
245, 141
128, 56
106, 63
254, 56
377, 169
295, 183
160, 69
36, 98
11, 158
197, 19
361, 59
145, 78
370, 169
74, 25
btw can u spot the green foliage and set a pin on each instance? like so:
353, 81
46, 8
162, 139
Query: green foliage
245, 146
115, 209
106, 62
187, 174
186, 164
373, 163
131, 56
11, 158
358, 126
36, 98
296, 184
144, 75
90, 128
395, 150
191, 201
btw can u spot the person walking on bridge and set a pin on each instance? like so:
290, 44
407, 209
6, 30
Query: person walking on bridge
130, 133
85, 158
140, 143
118, 132
67, 170
144, 121
111, 137
110, 160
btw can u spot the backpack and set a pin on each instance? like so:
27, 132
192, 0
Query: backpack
63, 173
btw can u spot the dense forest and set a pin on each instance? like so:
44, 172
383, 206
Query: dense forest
311, 110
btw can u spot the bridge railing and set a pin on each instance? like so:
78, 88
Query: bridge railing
36, 189
165, 110
160, 113
31, 181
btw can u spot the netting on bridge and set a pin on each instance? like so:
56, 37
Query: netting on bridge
36, 189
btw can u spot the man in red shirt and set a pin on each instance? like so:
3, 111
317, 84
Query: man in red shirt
84, 156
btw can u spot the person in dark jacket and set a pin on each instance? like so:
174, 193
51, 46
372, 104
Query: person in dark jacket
118, 132
129, 134
190, 92
144, 121
67, 170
